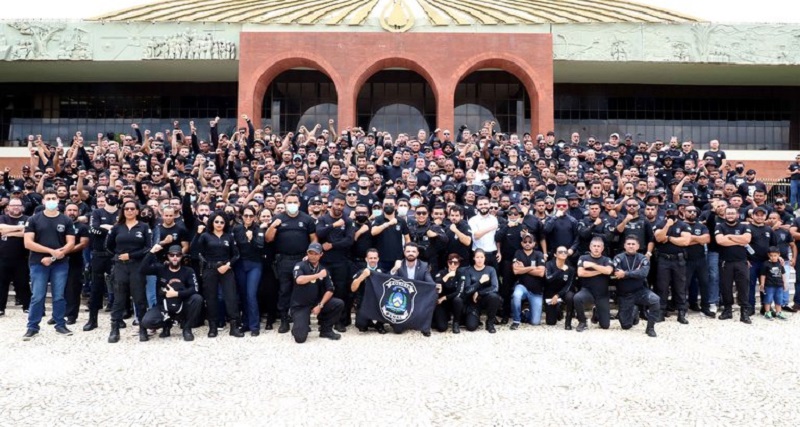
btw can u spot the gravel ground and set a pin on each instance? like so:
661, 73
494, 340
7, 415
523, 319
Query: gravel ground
710, 372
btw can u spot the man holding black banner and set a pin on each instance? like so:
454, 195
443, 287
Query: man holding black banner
313, 293
413, 269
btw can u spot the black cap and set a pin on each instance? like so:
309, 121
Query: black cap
760, 209
670, 207
315, 199
315, 247
683, 202
751, 172
175, 249
449, 187
628, 136
573, 196
16, 189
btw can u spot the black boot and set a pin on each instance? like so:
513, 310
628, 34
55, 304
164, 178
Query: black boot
92, 323
708, 313
114, 335
727, 313
143, 334
212, 329
682, 318
651, 330
165, 332
490, 325
744, 317
456, 328
284, 328
188, 335
235, 331
568, 321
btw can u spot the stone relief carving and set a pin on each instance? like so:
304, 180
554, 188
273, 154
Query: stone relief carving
45, 41
189, 45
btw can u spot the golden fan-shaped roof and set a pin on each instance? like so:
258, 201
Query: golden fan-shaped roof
397, 15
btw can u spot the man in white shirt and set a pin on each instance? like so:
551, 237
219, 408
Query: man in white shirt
484, 227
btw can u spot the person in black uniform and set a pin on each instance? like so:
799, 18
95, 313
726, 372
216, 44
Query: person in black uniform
14, 262
561, 229
336, 233
732, 237
129, 240
593, 225
176, 293
481, 292
217, 251
313, 294
371, 265
72, 294
249, 237
450, 286
428, 236
672, 236
593, 272
762, 237
459, 234
634, 224
292, 231
529, 270
509, 241
696, 264
49, 236
630, 271
362, 238
559, 288
389, 233
100, 223
170, 232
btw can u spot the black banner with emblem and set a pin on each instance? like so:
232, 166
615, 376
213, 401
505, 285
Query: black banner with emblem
399, 301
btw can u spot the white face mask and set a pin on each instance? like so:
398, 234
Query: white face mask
414, 202
402, 211
292, 209
324, 188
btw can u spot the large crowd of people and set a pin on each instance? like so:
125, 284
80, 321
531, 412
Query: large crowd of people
255, 228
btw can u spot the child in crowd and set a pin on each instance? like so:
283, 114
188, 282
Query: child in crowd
772, 284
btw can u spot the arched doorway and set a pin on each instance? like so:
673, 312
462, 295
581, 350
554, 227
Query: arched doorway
487, 95
396, 101
299, 97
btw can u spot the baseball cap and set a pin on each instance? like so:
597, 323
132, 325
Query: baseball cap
751, 172
315, 199
760, 209
174, 249
670, 207
315, 247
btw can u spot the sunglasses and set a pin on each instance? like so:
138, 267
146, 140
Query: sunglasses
351, 194
422, 213
175, 255
561, 252
561, 206
130, 209
248, 216
453, 261
219, 222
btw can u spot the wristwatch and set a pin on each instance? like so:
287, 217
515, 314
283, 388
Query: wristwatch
53, 259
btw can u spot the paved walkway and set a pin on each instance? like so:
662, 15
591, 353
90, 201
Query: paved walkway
710, 372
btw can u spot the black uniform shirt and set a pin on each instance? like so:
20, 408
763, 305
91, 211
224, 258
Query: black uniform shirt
49, 232
310, 294
598, 285
135, 242
340, 238
213, 249
293, 235
391, 240
362, 244
695, 252
736, 252
763, 238
81, 230
454, 246
534, 259
99, 235
773, 274
674, 231
13, 247
253, 249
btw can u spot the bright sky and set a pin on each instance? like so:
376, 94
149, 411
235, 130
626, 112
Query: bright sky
712, 10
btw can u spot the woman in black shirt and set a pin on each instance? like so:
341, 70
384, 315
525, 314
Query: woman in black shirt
129, 241
217, 251
450, 285
559, 288
480, 291
249, 236
268, 302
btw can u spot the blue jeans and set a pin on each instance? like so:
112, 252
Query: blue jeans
755, 270
713, 277
534, 300
150, 290
794, 196
56, 275
772, 295
248, 277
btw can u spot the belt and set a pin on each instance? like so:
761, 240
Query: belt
670, 256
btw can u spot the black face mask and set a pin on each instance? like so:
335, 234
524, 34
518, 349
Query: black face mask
739, 170
112, 200
388, 209
362, 218
363, 187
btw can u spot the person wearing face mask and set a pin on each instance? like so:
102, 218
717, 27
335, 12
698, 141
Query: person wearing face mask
336, 235
100, 223
49, 236
72, 293
370, 266
696, 264
129, 241
291, 231
13, 263
429, 237
672, 236
178, 297
362, 238
389, 233
733, 237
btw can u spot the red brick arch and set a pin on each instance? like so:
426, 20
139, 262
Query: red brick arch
252, 91
361, 77
540, 97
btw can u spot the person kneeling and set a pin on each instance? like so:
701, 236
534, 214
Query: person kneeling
177, 296
630, 270
311, 280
